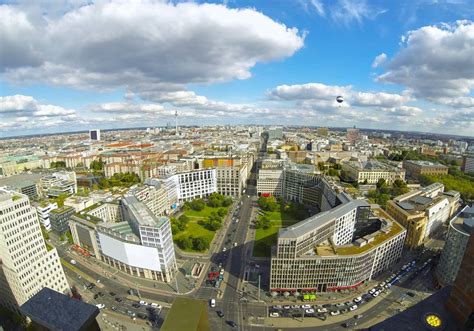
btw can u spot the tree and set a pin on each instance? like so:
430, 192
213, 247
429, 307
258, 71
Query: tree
97, 165
222, 212
227, 202
197, 204
185, 243
60, 199
268, 203
57, 164
200, 243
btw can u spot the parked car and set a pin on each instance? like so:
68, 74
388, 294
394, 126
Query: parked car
375, 294
274, 314
100, 305
372, 291
96, 296
358, 299
295, 307
212, 303
112, 293
335, 312
359, 316
350, 324
155, 305
118, 299
114, 308
286, 307
143, 303
220, 314
277, 307
309, 311
73, 262
232, 324
136, 305
352, 308
340, 304
322, 310
306, 306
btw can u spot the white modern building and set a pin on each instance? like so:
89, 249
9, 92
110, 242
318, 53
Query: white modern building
372, 171
43, 209
190, 185
58, 183
26, 265
94, 134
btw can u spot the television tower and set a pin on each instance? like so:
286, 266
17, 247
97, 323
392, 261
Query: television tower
176, 120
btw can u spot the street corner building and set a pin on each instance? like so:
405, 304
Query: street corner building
337, 249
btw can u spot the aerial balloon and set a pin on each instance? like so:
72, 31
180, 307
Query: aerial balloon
339, 99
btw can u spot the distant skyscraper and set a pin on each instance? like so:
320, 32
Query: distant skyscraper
176, 121
26, 265
94, 134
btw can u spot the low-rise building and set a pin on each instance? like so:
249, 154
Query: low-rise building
372, 171
78, 203
59, 183
416, 168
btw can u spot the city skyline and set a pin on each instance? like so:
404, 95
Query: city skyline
404, 67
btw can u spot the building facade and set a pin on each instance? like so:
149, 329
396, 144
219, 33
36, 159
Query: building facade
460, 229
371, 172
60, 219
416, 168
26, 265
320, 253
422, 212
43, 210
468, 163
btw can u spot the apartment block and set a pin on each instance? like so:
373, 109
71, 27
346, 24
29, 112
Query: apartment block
26, 265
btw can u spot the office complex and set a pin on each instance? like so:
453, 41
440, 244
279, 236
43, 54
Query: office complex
460, 229
335, 250
422, 212
94, 135
58, 183
416, 168
129, 236
372, 171
59, 219
192, 184
26, 265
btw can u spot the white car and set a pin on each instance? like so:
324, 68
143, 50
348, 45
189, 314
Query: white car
354, 307
212, 303
235, 244
306, 306
275, 314
375, 294
309, 311
143, 303
100, 305
322, 310
224, 249
155, 305
295, 307
73, 262
358, 299
372, 291
335, 312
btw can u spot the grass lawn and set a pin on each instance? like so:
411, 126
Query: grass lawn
194, 229
266, 238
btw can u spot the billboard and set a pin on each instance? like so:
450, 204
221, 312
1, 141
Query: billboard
130, 254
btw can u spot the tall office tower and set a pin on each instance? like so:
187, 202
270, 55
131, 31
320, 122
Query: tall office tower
460, 229
94, 134
26, 265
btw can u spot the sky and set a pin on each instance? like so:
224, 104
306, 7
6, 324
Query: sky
78, 65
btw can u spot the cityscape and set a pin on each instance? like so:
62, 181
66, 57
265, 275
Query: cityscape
188, 166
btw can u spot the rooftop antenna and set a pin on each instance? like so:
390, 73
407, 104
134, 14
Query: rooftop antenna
176, 121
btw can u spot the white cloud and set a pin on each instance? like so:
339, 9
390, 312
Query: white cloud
19, 105
140, 45
318, 6
379, 60
435, 62
348, 11
381, 99
126, 107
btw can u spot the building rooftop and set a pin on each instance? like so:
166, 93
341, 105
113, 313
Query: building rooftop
142, 213
318, 220
373, 165
463, 222
61, 210
187, 314
57, 311
423, 163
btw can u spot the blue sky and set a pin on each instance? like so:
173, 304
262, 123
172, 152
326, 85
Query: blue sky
74, 65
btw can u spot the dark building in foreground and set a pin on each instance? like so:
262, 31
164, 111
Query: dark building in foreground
187, 314
461, 299
427, 315
52, 311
